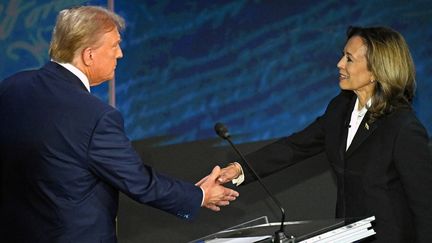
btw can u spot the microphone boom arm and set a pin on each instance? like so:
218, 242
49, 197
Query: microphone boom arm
280, 235
260, 181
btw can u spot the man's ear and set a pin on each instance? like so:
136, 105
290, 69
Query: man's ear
87, 56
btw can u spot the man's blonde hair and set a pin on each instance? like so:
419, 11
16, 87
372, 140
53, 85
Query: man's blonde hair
81, 27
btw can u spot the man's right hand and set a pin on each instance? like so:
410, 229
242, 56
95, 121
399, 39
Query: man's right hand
216, 195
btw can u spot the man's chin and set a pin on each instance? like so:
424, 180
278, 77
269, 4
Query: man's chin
97, 83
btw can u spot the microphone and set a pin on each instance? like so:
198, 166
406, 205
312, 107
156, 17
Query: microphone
279, 236
347, 123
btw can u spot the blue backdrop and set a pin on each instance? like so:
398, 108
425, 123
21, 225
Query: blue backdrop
265, 68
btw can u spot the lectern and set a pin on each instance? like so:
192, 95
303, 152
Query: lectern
309, 231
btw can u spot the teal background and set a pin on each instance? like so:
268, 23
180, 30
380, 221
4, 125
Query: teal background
265, 68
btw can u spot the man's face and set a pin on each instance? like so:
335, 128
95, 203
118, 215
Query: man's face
105, 57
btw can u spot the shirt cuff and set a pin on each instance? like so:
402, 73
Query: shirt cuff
203, 196
240, 179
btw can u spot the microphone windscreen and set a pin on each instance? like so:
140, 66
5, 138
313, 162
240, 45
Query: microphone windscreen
221, 130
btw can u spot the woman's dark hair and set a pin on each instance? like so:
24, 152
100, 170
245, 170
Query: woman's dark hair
389, 59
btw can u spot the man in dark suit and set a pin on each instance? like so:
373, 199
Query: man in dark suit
64, 154
376, 146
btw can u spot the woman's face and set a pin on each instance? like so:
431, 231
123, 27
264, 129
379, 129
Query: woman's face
353, 72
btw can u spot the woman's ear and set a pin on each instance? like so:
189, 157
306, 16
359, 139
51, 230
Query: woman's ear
372, 78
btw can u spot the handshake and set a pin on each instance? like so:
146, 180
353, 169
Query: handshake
216, 195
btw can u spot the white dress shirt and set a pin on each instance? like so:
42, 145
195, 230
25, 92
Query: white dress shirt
77, 73
356, 118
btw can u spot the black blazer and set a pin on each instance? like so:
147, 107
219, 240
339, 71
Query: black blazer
64, 158
386, 172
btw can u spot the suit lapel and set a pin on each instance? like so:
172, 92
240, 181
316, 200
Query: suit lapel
364, 131
344, 134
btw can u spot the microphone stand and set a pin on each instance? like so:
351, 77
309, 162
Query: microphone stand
279, 236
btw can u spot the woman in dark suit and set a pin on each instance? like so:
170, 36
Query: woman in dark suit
377, 147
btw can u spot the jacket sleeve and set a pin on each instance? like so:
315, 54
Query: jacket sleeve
287, 151
414, 164
300, 145
114, 161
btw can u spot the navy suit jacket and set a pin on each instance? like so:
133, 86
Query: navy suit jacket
64, 157
386, 171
